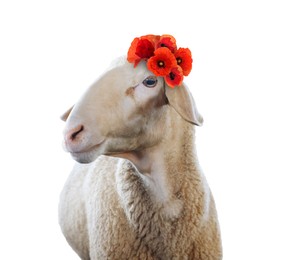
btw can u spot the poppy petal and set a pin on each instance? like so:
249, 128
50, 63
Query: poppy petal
167, 41
162, 62
132, 57
144, 49
184, 60
175, 77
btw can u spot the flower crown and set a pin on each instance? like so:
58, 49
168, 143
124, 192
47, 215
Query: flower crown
162, 57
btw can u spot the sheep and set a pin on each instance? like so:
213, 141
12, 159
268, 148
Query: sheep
136, 190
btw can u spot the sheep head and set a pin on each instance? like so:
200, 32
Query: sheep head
124, 110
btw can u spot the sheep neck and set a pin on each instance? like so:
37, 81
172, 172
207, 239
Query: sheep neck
161, 187
164, 167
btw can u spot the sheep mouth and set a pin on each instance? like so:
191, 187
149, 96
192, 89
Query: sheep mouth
89, 155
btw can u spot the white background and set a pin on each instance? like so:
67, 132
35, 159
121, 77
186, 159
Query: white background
51, 51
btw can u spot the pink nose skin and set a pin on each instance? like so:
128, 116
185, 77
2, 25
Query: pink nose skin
75, 133
73, 138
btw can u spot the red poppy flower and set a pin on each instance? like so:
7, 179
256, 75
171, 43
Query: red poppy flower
167, 41
184, 60
162, 56
145, 49
141, 48
152, 38
175, 77
162, 62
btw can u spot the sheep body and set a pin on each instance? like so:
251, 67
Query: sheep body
114, 209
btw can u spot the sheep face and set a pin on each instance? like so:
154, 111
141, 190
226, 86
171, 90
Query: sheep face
123, 111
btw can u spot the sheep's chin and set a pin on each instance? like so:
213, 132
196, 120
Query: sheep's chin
89, 155
83, 157
86, 157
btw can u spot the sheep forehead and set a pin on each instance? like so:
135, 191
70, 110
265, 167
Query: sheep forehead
131, 75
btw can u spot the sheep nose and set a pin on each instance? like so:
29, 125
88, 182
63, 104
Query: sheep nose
74, 133
73, 138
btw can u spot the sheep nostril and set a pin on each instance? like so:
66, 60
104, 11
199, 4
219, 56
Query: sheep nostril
76, 132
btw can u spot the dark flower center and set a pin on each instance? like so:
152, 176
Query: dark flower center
172, 76
179, 60
160, 63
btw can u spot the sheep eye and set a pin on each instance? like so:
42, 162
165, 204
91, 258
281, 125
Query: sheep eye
150, 82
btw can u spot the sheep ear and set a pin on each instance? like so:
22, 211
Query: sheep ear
66, 114
182, 101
